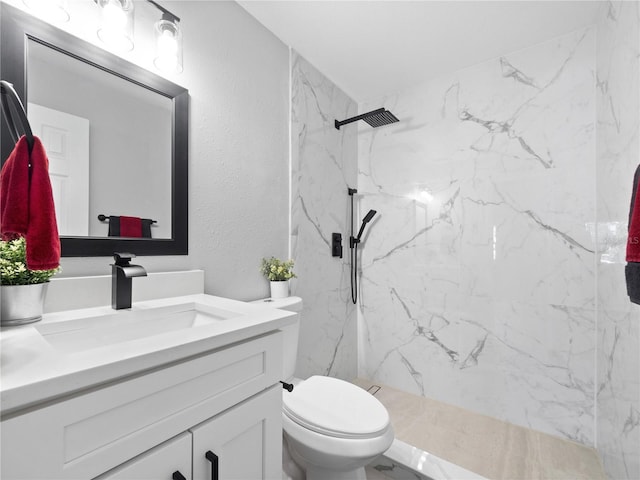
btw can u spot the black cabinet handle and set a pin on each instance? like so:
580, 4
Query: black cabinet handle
213, 458
178, 476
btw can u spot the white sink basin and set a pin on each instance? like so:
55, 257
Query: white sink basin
73, 350
88, 333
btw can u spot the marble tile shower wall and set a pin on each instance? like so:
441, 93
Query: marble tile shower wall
324, 164
478, 277
618, 115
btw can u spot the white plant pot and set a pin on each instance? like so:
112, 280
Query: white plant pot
22, 304
280, 289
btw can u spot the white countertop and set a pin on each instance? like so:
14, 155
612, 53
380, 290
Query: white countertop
33, 371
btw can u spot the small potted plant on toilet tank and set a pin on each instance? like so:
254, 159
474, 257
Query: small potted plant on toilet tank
279, 272
22, 291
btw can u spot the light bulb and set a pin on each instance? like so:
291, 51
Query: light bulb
168, 46
116, 28
114, 16
167, 43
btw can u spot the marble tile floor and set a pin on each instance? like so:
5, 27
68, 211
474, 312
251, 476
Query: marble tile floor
484, 445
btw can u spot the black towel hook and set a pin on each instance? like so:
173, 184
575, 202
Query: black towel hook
8, 92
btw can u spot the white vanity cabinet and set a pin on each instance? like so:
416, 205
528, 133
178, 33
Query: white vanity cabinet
154, 423
235, 443
171, 461
232, 445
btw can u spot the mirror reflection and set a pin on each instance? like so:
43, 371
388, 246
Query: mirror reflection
109, 146
131, 160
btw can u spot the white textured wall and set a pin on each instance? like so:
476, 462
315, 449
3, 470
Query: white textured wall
482, 293
323, 166
237, 74
238, 80
618, 113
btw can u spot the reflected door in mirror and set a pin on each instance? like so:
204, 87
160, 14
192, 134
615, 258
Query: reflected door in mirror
66, 140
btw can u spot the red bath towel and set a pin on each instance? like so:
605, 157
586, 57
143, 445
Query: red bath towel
633, 240
130, 226
632, 269
26, 205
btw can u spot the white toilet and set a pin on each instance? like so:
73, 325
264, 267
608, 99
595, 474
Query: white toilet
332, 428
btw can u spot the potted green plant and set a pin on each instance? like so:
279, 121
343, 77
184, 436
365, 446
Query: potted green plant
279, 272
22, 291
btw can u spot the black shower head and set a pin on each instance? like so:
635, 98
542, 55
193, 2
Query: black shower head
375, 118
385, 117
367, 218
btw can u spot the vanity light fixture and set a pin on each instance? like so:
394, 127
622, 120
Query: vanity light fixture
168, 41
116, 30
56, 11
116, 24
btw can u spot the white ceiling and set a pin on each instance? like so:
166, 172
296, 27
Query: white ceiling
372, 48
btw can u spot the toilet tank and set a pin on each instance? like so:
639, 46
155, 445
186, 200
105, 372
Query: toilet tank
290, 332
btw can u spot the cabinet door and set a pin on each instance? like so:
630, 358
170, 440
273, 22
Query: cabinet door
93, 432
246, 439
159, 463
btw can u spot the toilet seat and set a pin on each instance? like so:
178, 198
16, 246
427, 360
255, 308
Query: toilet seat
336, 408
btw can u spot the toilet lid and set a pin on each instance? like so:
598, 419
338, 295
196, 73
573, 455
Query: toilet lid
336, 408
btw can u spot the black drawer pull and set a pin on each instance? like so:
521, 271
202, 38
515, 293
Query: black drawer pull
213, 458
178, 476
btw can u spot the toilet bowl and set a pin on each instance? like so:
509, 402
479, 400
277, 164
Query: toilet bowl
334, 428
331, 428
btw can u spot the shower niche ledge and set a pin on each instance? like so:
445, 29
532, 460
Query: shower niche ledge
84, 395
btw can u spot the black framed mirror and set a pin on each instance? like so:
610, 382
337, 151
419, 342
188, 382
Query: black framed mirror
136, 168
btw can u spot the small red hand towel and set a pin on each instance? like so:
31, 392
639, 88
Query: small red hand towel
26, 205
14, 192
633, 240
130, 226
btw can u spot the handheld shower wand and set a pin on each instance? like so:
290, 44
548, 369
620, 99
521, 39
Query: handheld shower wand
367, 218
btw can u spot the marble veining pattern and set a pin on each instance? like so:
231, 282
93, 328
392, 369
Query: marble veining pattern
618, 147
478, 275
323, 166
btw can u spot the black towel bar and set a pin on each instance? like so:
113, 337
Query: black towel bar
105, 218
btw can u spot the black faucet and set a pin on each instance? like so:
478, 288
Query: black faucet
121, 274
